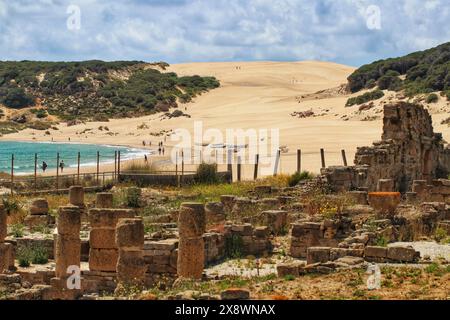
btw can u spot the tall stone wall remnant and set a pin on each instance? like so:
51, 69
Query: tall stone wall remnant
409, 150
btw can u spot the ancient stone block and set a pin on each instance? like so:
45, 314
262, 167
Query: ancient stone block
6, 257
108, 218
3, 224
261, 232
317, 254
401, 254
67, 253
131, 267
261, 190
168, 244
386, 185
191, 220
69, 221
103, 259
130, 233
191, 257
102, 238
39, 206
39, 220
235, 294
76, 196
375, 252
228, 202
358, 197
104, 200
276, 220
292, 269
215, 212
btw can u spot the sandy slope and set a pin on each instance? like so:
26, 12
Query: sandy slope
258, 95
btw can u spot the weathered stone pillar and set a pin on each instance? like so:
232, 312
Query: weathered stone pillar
103, 253
420, 187
6, 249
39, 214
76, 196
191, 248
104, 200
3, 224
130, 242
68, 243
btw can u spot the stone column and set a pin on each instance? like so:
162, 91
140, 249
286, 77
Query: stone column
104, 200
191, 248
103, 253
68, 243
76, 196
130, 242
6, 249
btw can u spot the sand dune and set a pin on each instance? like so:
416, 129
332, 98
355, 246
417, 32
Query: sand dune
259, 95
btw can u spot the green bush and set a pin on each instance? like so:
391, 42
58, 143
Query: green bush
35, 254
133, 197
207, 174
366, 97
432, 98
299, 176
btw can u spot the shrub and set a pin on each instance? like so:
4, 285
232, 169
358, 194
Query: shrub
299, 176
432, 98
24, 256
17, 230
207, 174
382, 241
39, 255
366, 97
133, 197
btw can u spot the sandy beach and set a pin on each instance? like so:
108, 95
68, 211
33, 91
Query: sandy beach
255, 95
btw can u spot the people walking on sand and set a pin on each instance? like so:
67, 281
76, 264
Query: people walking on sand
159, 150
143, 143
163, 150
44, 166
145, 158
61, 166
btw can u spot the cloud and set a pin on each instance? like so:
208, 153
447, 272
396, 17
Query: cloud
220, 30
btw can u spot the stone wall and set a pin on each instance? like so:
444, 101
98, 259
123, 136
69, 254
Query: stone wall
409, 150
247, 239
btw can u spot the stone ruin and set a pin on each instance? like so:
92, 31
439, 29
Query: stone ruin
409, 150
6, 249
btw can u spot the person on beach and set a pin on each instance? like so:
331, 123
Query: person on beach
143, 143
163, 150
159, 150
145, 158
44, 166
61, 166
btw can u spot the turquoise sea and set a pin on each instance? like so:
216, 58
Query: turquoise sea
24, 153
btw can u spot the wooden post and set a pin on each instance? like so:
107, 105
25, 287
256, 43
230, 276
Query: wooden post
299, 161
12, 174
229, 162
98, 167
239, 168
57, 171
78, 168
344, 158
35, 171
216, 156
255, 174
182, 165
322, 156
277, 162
115, 166
176, 170
118, 165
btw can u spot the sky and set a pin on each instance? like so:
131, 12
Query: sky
351, 32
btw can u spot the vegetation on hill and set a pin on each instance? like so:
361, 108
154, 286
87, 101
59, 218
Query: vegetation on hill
420, 72
366, 97
89, 89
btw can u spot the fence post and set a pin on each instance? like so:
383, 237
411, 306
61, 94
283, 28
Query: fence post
57, 171
12, 174
98, 167
78, 168
115, 166
277, 161
239, 168
182, 165
35, 171
229, 162
118, 165
344, 158
255, 174
322, 156
176, 170
299, 161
